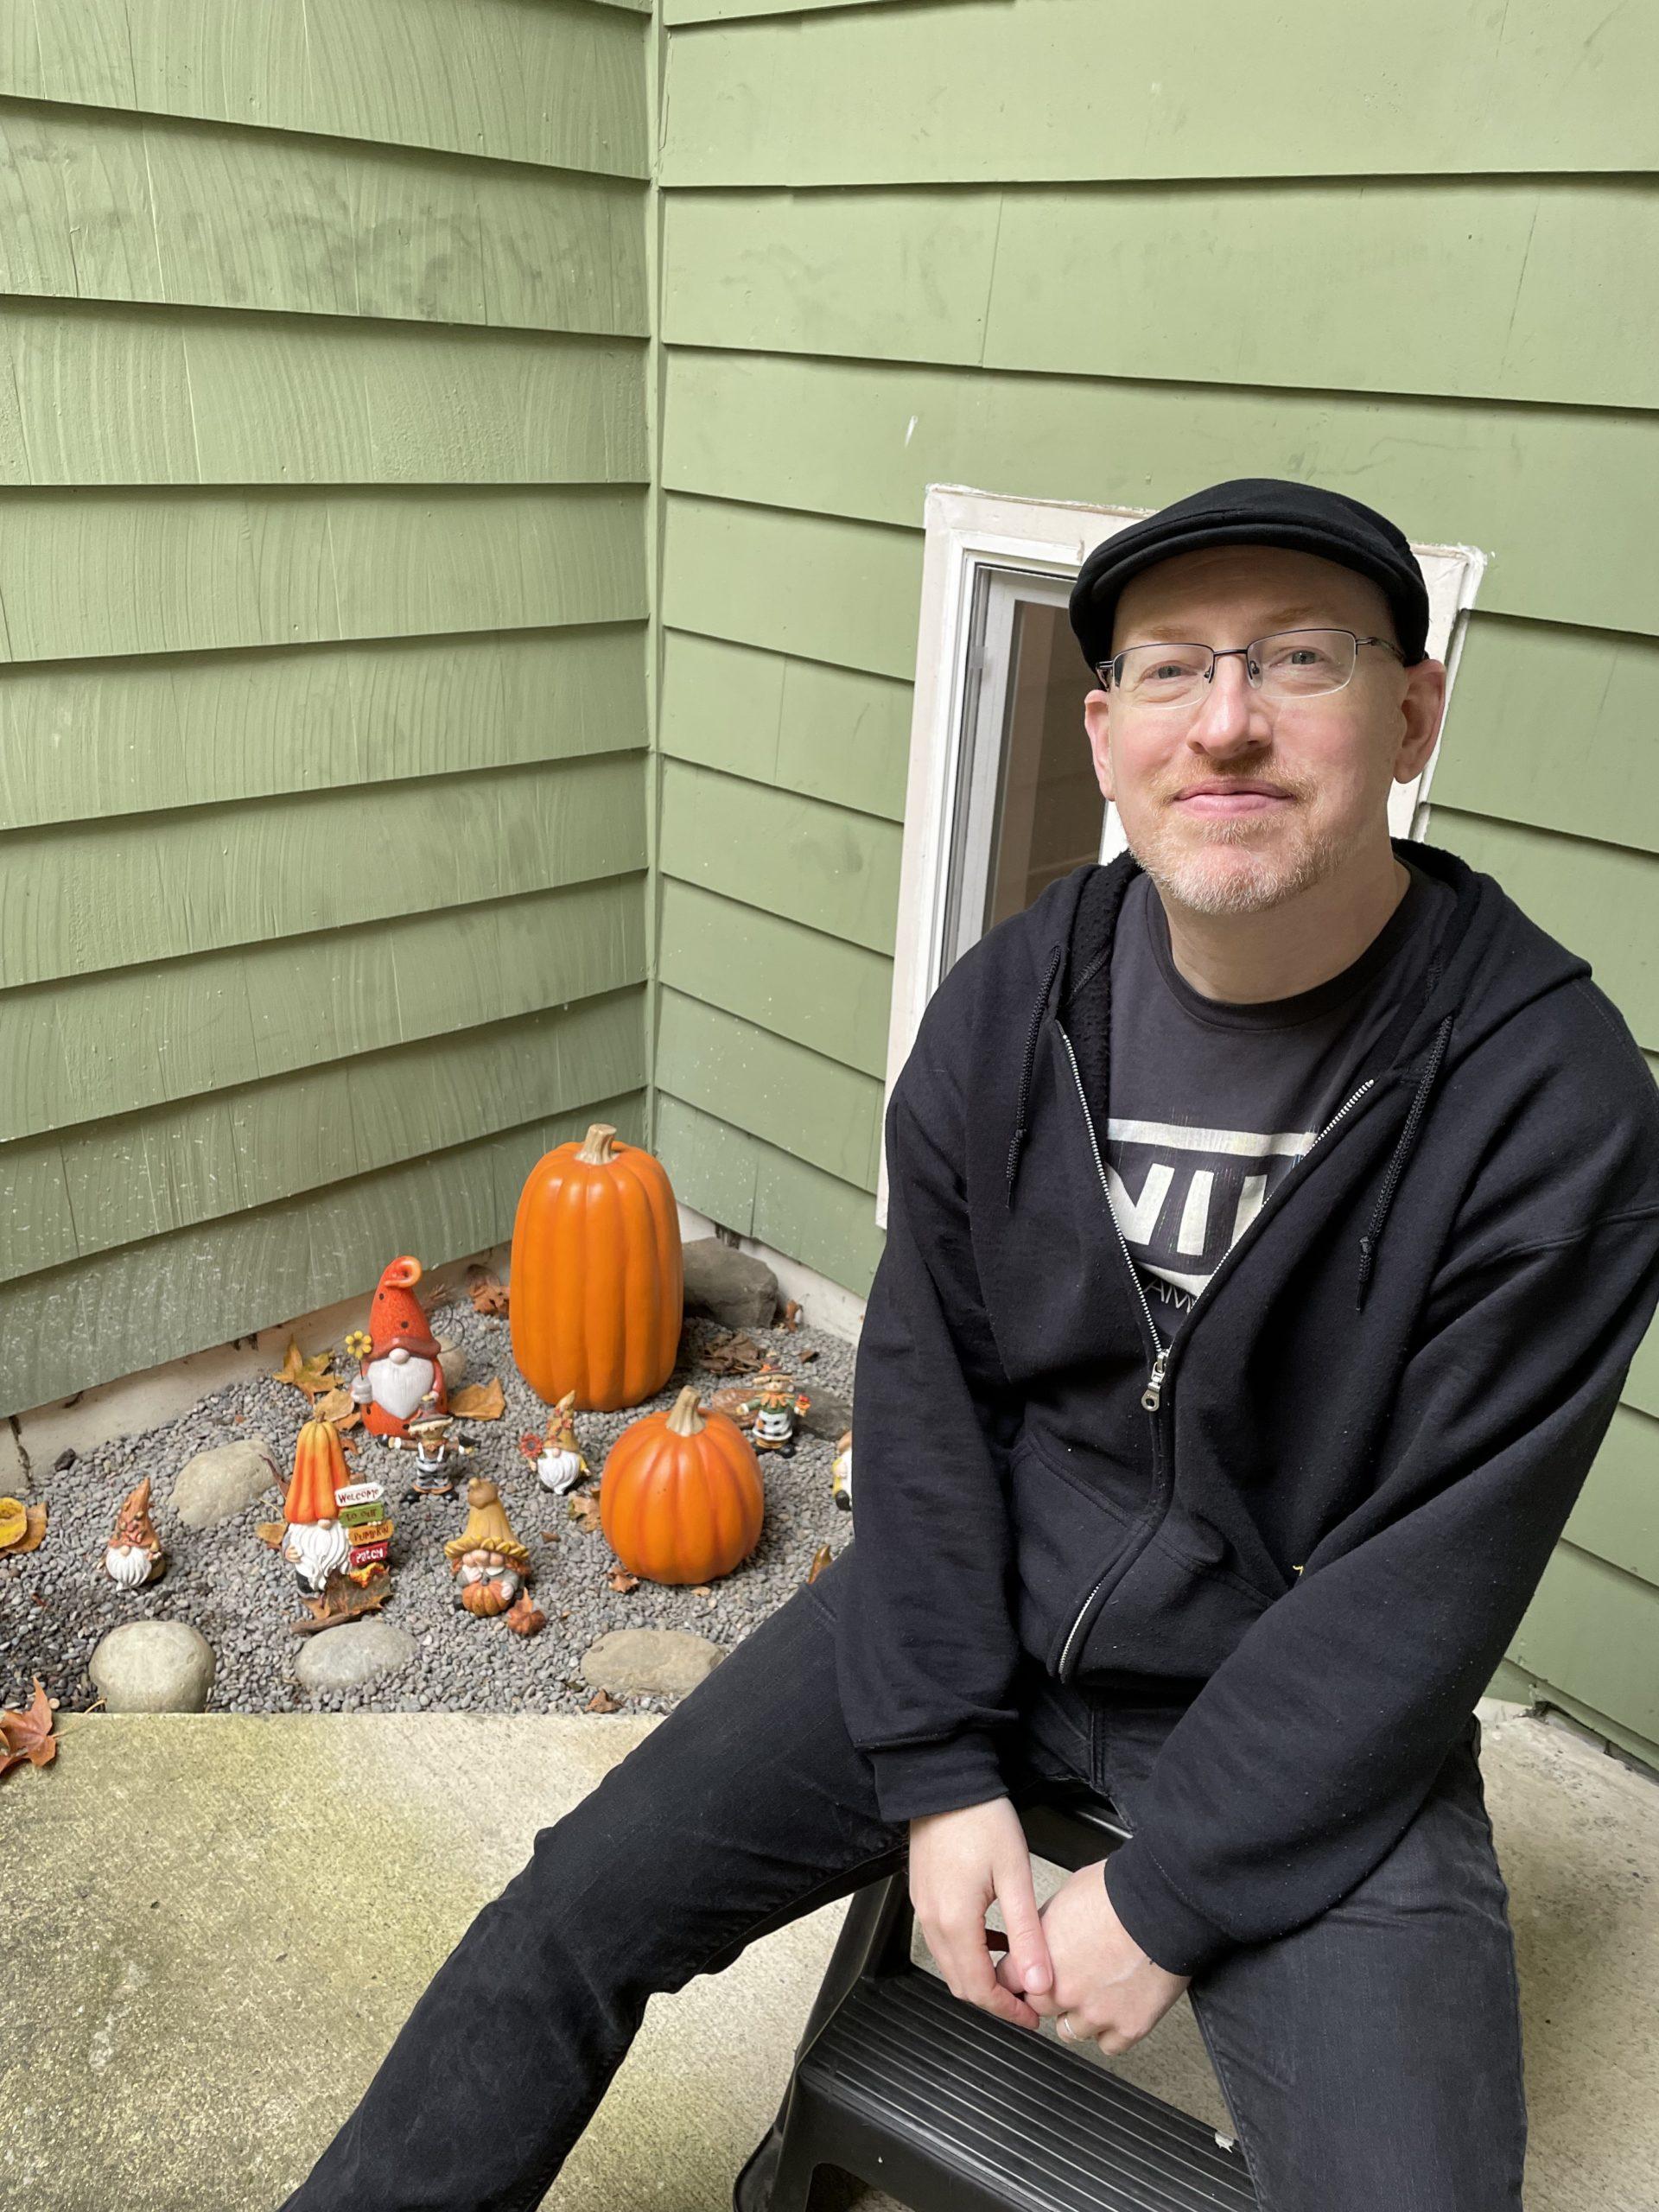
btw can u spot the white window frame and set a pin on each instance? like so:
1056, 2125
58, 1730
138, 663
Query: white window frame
969, 531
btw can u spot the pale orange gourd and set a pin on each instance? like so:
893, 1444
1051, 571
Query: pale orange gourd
597, 1287
681, 1499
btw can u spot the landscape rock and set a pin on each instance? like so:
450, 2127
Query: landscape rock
218, 1484
356, 1651
830, 1414
153, 1667
739, 1290
452, 1358
649, 1662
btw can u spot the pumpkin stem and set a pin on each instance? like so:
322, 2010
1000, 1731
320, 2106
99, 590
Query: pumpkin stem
685, 1415
597, 1148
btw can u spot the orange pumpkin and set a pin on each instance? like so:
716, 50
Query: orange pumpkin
319, 1471
487, 1599
681, 1499
597, 1283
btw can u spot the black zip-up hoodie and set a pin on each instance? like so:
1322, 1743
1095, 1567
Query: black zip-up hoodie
1312, 1516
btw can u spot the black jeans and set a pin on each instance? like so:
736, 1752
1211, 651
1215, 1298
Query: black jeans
1371, 2059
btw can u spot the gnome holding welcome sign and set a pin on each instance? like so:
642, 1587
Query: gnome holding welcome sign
401, 1366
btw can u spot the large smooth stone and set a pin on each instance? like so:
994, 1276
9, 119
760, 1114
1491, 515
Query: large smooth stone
649, 1661
830, 1414
356, 1651
734, 1286
154, 1667
452, 1358
218, 1484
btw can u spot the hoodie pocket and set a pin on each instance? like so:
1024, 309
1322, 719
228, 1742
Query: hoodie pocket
1065, 1539
1170, 1616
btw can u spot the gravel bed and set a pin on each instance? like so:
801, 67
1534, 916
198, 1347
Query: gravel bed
56, 1602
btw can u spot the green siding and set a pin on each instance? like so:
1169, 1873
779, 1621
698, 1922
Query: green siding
898, 250
324, 799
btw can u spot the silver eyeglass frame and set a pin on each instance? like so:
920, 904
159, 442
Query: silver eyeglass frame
1110, 671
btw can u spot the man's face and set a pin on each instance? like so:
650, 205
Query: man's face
1237, 802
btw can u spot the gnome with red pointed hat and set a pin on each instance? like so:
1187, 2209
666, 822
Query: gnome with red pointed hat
401, 1366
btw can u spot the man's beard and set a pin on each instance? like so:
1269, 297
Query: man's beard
1230, 867
400, 1384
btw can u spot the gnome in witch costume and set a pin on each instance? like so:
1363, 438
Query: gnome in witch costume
401, 1366
134, 1554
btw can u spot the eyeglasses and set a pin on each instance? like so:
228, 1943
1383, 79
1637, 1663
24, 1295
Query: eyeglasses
1289, 664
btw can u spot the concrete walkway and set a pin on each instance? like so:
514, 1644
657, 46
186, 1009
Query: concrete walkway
189, 2004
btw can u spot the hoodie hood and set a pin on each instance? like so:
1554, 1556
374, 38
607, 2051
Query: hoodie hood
1489, 963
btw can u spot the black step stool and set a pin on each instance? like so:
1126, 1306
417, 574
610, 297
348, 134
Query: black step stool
949, 2109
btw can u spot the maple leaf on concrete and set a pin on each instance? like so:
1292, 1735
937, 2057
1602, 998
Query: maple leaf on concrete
312, 1376
29, 1735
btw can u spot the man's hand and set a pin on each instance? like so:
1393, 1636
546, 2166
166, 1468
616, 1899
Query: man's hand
959, 1863
1103, 1981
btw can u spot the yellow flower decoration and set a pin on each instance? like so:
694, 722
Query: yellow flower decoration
358, 1344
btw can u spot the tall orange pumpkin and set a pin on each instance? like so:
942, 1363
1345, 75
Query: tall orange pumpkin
319, 1471
681, 1499
597, 1282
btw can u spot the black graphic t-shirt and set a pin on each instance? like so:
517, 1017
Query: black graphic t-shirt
1212, 1102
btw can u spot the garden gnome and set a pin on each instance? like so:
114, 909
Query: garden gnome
490, 1565
556, 1456
775, 1403
841, 1472
437, 1454
314, 1543
134, 1555
401, 1365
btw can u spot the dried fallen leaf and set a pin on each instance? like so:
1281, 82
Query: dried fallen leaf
550, 1536
337, 1406
731, 1353
271, 1532
821, 1559
806, 1352
584, 1511
35, 1518
699, 1589
791, 1314
312, 1376
487, 1293
622, 1581
479, 1401
602, 1702
29, 1735
733, 1402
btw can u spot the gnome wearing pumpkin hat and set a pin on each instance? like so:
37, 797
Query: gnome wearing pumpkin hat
490, 1565
313, 1542
134, 1554
401, 1366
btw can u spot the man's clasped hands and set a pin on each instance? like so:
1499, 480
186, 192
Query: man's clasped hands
1074, 1960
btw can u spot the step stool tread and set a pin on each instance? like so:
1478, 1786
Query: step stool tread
1048, 2127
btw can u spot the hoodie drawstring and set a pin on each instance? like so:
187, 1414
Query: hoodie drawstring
1369, 1241
1017, 1142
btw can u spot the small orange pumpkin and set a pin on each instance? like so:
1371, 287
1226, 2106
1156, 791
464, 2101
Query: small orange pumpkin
319, 1471
681, 1499
488, 1598
597, 1282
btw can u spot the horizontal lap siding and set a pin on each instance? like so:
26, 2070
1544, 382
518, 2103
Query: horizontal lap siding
906, 246
324, 797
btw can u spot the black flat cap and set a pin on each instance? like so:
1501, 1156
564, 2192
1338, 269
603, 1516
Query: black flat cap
1255, 511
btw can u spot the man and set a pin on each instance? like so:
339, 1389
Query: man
1274, 1216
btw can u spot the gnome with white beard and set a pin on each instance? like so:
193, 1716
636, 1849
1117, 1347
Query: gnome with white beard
314, 1543
134, 1554
401, 1366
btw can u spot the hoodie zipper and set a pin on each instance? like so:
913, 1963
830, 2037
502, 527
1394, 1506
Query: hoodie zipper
1153, 1396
